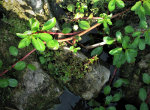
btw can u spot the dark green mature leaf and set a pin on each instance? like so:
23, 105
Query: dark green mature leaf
135, 43
3, 83
115, 51
146, 6
142, 94
119, 59
24, 42
97, 51
120, 4
42, 60
142, 44
119, 36
13, 50
125, 42
111, 5
108, 40
20, 65
116, 97
107, 90
111, 108
118, 83
108, 99
52, 44
31, 67
71, 7
49, 24
146, 78
129, 29
84, 25
130, 55
147, 37
130, 107
13, 82
144, 106
66, 30
38, 44
99, 108
136, 6
1, 63
44, 36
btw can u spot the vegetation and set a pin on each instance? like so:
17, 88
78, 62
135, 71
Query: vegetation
125, 44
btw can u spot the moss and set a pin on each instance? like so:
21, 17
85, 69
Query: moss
64, 66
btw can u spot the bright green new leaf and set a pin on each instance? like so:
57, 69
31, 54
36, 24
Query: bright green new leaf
44, 36
143, 24
111, 108
97, 51
137, 33
146, 6
130, 55
119, 59
130, 107
108, 99
3, 83
84, 25
20, 65
108, 40
116, 97
13, 50
115, 51
147, 37
71, 7
142, 44
107, 90
38, 44
13, 82
146, 78
31, 67
49, 24
109, 21
125, 42
119, 36
24, 42
120, 4
21, 35
142, 94
34, 24
111, 5
66, 30
136, 6
1, 63
52, 44
144, 106
129, 29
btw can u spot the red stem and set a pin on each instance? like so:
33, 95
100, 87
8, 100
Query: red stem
114, 74
1, 74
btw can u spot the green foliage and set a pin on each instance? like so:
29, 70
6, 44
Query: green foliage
116, 97
1, 63
13, 50
8, 82
107, 90
111, 108
113, 3
31, 67
20, 65
108, 99
13, 82
146, 78
97, 51
49, 24
144, 106
130, 107
142, 94
3, 83
108, 40
84, 25
71, 7
118, 83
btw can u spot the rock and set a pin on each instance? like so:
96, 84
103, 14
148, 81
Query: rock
36, 91
90, 85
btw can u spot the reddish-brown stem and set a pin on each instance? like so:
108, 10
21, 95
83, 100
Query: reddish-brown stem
114, 74
1, 74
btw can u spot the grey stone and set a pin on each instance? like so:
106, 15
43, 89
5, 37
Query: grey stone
36, 88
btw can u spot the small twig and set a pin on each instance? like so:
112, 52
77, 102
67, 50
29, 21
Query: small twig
59, 33
95, 45
114, 74
93, 18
